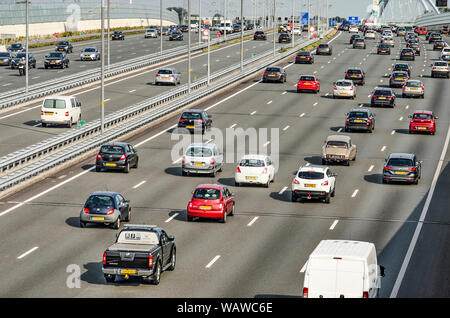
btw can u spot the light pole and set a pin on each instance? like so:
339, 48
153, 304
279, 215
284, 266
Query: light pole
274, 25
160, 26
109, 35
189, 47
102, 94
242, 35
293, 23
309, 21
199, 20
225, 19
26, 44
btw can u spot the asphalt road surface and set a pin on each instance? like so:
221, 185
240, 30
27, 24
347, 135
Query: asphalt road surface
261, 250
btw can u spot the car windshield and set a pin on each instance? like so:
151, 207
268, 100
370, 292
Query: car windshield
55, 54
138, 237
207, 194
112, 149
323, 45
383, 46
16, 46
100, 200
423, 116
63, 43
354, 72
441, 64
251, 163
191, 116
401, 66
343, 83
310, 175
272, 69
259, 32
406, 50
337, 143
399, 74
4, 54
307, 78
117, 32
199, 152
303, 53
55, 103
20, 55
358, 115
382, 93
413, 84
151, 31
400, 162
165, 72
89, 50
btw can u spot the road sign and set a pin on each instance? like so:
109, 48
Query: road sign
205, 34
304, 17
353, 20
218, 34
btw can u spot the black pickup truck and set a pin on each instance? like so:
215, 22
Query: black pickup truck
140, 250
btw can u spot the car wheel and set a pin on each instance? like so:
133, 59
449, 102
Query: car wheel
347, 163
98, 169
334, 192
128, 216
44, 125
173, 260
110, 278
127, 168
383, 180
46, 67
327, 199
213, 174
82, 224
293, 198
69, 124
267, 184
157, 276
116, 225
136, 164
232, 211
224, 217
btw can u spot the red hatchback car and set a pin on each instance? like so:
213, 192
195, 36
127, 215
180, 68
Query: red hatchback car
422, 121
211, 201
308, 82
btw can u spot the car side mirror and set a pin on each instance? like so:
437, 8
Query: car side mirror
334, 174
382, 271
436, 117
409, 116
171, 237
420, 161
232, 194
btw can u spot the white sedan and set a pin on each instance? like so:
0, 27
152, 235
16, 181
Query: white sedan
353, 29
344, 88
313, 182
254, 169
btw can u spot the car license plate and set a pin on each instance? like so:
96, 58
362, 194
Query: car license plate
205, 207
303, 57
52, 62
164, 77
358, 121
127, 271
250, 178
98, 218
307, 185
343, 93
383, 51
354, 75
382, 97
422, 128
198, 163
399, 78
49, 113
108, 164
271, 75
400, 172
190, 127
414, 89
307, 83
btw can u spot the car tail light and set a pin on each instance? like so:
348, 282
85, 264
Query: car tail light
211, 162
124, 156
264, 170
67, 114
389, 96
199, 121
365, 294
346, 74
412, 169
221, 206
421, 85
305, 292
265, 74
351, 88
388, 168
347, 120
278, 74
391, 77
374, 96
86, 210
368, 121
238, 170
99, 156
181, 119
104, 258
157, 75
171, 76
324, 183
150, 260
110, 211
295, 181
183, 161
335, 88
42, 113
404, 87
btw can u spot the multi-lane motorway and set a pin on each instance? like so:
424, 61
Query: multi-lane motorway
262, 249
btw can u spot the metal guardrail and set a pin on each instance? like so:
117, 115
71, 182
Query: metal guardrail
19, 96
433, 19
132, 122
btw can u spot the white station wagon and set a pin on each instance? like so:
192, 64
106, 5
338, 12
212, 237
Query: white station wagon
254, 169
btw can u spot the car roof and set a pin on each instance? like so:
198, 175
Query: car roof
193, 111
59, 97
108, 193
378, 88
359, 110
115, 143
209, 186
423, 112
401, 155
254, 156
313, 168
338, 138
200, 144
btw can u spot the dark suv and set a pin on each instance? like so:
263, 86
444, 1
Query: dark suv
284, 37
402, 167
324, 48
304, 57
355, 74
116, 155
360, 119
20, 58
274, 73
383, 96
398, 79
56, 59
194, 120
64, 46
408, 54
384, 48
402, 67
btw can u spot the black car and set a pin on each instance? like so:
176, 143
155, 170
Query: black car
20, 58
274, 74
355, 74
398, 78
16, 48
250, 26
324, 48
384, 48
195, 120
116, 155
56, 59
259, 35
402, 167
236, 28
117, 35
360, 119
184, 28
176, 36
304, 57
5, 58
359, 43
284, 37
140, 250
438, 45
353, 37
414, 46
382, 96
434, 37
104, 207
445, 57
64, 46
402, 67
407, 54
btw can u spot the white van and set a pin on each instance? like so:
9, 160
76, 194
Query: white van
60, 110
226, 26
342, 269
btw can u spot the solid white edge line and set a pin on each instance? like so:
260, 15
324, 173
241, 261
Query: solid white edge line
212, 261
172, 217
355, 193
333, 225
415, 237
286, 128
28, 252
371, 168
139, 184
282, 190
253, 221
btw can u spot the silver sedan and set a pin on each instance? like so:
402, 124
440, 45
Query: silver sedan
90, 53
413, 88
168, 76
